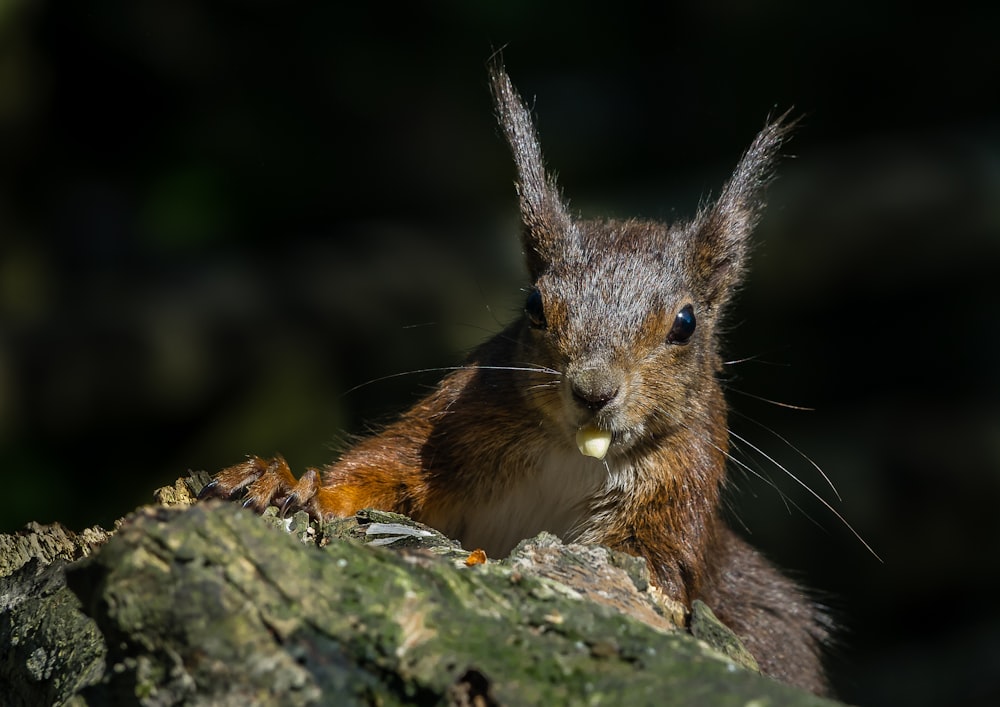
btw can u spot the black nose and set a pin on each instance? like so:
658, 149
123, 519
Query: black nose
593, 399
594, 388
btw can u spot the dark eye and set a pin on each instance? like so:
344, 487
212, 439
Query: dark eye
534, 310
684, 324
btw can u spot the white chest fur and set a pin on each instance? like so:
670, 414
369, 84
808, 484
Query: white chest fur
555, 495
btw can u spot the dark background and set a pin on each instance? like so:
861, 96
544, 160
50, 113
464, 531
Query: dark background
217, 219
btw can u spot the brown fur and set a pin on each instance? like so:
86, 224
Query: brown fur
489, 457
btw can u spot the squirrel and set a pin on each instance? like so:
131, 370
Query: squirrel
596, 415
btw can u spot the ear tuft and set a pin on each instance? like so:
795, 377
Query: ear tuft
545, 220
722, 231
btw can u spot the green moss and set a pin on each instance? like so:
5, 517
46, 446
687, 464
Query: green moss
211, 603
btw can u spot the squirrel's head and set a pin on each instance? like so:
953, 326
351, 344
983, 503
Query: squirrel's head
627, 312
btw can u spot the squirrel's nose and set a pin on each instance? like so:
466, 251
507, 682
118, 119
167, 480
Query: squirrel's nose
594, 389
593, 400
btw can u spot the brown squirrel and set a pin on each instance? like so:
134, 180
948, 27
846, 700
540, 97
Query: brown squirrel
597, 415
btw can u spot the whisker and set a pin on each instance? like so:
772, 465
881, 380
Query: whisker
795, 449
547, 384
790, 406
815, 495
758, 473
489, 309
441, 369
756, 358
763, 476
770, 482
787, 500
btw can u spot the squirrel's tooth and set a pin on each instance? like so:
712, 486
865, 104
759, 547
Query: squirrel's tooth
593, 442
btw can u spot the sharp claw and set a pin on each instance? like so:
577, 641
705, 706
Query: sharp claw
208, 490
256, 484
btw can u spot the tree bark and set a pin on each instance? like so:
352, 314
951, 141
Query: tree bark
209, 604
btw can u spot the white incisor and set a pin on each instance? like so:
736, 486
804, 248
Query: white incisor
593, 442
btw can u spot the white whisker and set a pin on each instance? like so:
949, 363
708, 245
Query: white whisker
743, 465
446, 369
770, 482
772, 402
815, 495
761, 474
796, 450
754, 359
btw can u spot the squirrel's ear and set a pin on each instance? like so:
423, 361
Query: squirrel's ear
546, 223
721, 239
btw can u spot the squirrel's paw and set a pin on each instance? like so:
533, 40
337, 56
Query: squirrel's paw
262, 483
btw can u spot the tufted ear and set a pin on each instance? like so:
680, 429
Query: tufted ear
721, 234
546, 223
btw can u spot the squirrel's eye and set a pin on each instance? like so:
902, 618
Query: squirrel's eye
684, 324
534, 310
